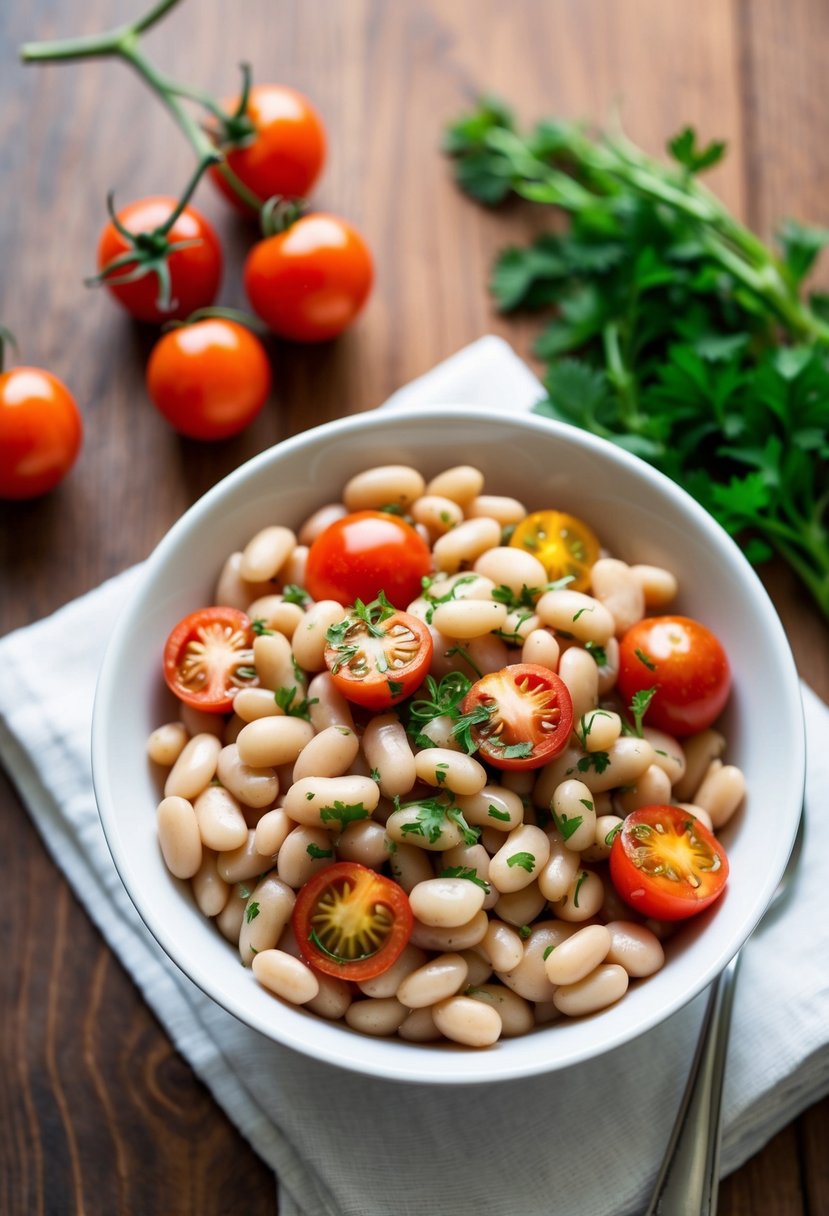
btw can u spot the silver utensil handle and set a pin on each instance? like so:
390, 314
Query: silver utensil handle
688, 1180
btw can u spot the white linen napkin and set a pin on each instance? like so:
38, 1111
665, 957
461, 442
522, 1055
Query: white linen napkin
586, 1140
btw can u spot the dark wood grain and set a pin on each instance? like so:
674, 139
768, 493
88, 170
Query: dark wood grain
100, 1114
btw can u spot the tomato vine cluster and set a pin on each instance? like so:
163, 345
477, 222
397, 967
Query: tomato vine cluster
306, 278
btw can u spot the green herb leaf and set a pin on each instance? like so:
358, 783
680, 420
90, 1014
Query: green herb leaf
464, 872
251, 911
525, 860
343, 813
316, 852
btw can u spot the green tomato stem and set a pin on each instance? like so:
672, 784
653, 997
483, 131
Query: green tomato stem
7, 338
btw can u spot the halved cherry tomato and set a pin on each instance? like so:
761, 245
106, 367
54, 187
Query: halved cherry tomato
210, 378
377, 656
351, 922
526, 716
666, 864
209, 657
687, 666
563, 544
40, 432
309, 282
364, 553
194, 269
287, 150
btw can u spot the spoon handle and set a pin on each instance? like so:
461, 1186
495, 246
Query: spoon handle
688, 1180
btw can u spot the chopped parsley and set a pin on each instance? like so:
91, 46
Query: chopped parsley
251, 911
292, 594
566, 826
260, 628
643, 658
343, 813
316, 852
525, 860
286, 699
494, 813
464, 872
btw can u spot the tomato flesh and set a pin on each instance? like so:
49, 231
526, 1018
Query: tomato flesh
378, 658
208, 658
687, 666
667, 864
565, 546
351, 922
526, 716
362, 554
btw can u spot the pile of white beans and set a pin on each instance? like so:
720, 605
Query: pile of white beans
241, 819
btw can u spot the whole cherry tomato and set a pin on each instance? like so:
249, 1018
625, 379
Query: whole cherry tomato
208, 657
194, 269
667, 864
310, 281
351, 922
522, 716
687, 666
287, 150
359, 555
40, 432
210, 378
378, 655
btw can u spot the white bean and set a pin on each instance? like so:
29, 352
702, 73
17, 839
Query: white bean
194, 769
469, 618
276, 613
577, 956
634, 947
653, 788
556, 877
242, 863
327, 705
520, 908
363, 841
501, 507
256, 787
462, 937
461, 484
273, 660
607, 828
616, 586
286, 976
252, 703
513, 568
210, 890
659, 586
466, 1021
515, 1013
520, 859
502, 946
166, 743
437, 979
541, 646
579, 672
232, 590
270, 742
178, 836
221, 823
309, 640
668, 753
229, 920
376, 1017
304, 852
599, 729
419, 1027
575, 813
266, 553
328, 754
388, 753
382, 486
436, 513
333, 998
267, 912
446, 902
271, 831
409, 865
494, 806
450, 770
699, 751
576, 615
529, 978
596, 991
387, 982
321, 519
583, 898
721, 792
465, 543
405, 826
331, 801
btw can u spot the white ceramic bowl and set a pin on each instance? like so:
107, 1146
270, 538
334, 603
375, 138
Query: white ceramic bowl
640, 516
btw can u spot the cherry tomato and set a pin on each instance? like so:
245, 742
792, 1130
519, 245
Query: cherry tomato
208, 657
364, 553
667, 864
209, 379
351, 922
526, 716
563, 544
309, 282
687, 666
195, 271
378, 656
40, 432
287, 151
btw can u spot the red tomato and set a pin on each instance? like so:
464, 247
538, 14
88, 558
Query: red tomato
287, 152
666, 864
686, 665
378, 656
309, 282
526, 716
195, 271
208, 657
351, 922
209, 379
364, 553
40, 432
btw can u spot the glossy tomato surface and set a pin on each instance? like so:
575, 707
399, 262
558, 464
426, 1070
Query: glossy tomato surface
209, 379
40, 432
208, 657
351, 922
364, 553
687, 666
565, 545
309, 282
378, 657
525, 716
667, 864
287, 152
195, 271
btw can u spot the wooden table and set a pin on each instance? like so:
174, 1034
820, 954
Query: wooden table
100, 1114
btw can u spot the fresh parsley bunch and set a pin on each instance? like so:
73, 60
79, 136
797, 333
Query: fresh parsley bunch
674, 331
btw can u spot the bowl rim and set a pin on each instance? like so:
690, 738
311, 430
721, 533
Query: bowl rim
411, 1065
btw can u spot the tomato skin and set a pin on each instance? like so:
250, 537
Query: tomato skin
385, 685
563, 544
40, 432
357, 906
683, 841
288, 152
309, 282
195, 272
209, 379
364, 553
524, 695
686, 664
223, 637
